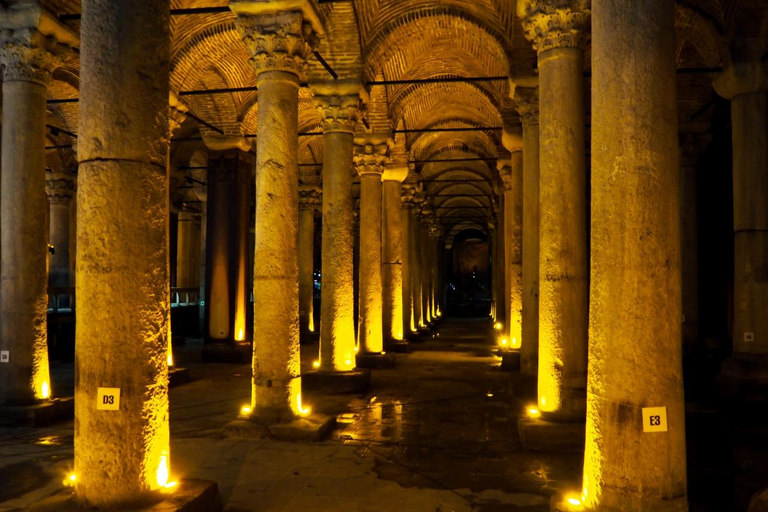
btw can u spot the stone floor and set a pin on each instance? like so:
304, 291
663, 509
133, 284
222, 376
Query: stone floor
435, 434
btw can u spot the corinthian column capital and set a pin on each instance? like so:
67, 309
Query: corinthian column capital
30, 56
371, 154
310, 197
527, 105
59, 187
555, 23
276, 41
339, 103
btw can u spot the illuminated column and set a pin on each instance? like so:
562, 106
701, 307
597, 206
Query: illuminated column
527, 104
512, 174
188, 251
635, 307
229, 169
278, 44
408, 192
559, 35
501, 272
28, 58
392, 253
123, 453
434, 239
418, 319
426, 264
369, 159
59, 188
746, 85
309, 200
339, 106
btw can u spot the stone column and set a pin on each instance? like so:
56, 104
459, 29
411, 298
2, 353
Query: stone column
188, 251
392, 254
339, 106
635, 436
229, 169
418, 318
28, 57
60, 188
512, 174
279, 43
501, 272
746, 85
122, 454
527, 104
408, 192
370, 159
434, 240
309, 200
426, 264
559, 34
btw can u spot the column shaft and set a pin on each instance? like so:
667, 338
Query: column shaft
409, 324
188, 251
418, 319
306, 269
563, 244
123, 211
23, 278
59, 238
370, 318
392, 262
635, 354
513, 253
337, 322
426, 271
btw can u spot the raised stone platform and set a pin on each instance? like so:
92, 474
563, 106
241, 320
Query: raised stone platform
186, 496
551, 436
510, 360
314, 427
375, 361
37, 415
398, 347
240, 353
332, 383
178, 376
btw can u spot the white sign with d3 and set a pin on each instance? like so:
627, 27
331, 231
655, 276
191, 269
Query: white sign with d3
654, 419
108, 399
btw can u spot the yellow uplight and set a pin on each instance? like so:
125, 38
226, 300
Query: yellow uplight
171, 485
170, 359
162, 470
245, 410
357, 349
515, 343
533, 412
315, 364
45, 391
575, 503
504, 342
302, 410
240, 335
498, 326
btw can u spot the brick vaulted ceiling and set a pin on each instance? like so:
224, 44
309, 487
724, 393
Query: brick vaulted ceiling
388, 40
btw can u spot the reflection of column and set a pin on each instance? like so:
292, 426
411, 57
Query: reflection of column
746, 85
277, 43
527, 104
339, 107
227, 239
406, 218
309, 200
122, 455
60, 189
559, 35
634, 357
370, 159
392, 253
28, 62
512, 174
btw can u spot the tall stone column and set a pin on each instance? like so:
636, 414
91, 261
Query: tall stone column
434, 240
635, 437
188, 251
28, 58
527, 104
121, 454
339, 106
426, 265
746, 85
229, 169
309, 200
418, 318
60, 188
512, 175
370, 159
407, 195
501, 272
279, 43
559, 32
392, 254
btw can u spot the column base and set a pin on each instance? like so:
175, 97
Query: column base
550, 436
510, 360
744, 377
314, 427
376, 361
230, 353
186, 496
178, 376
37, 415
335, 383
398, 347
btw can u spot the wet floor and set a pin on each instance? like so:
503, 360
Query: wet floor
437, 433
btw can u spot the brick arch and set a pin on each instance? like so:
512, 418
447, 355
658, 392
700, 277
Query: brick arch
700, 31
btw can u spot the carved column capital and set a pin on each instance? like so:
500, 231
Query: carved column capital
339, 103
555, 23
408, 195
310, 197
30, 56
505, 173
370, 156
527, 105
177, 113
741, 78
59, 187
277, 41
